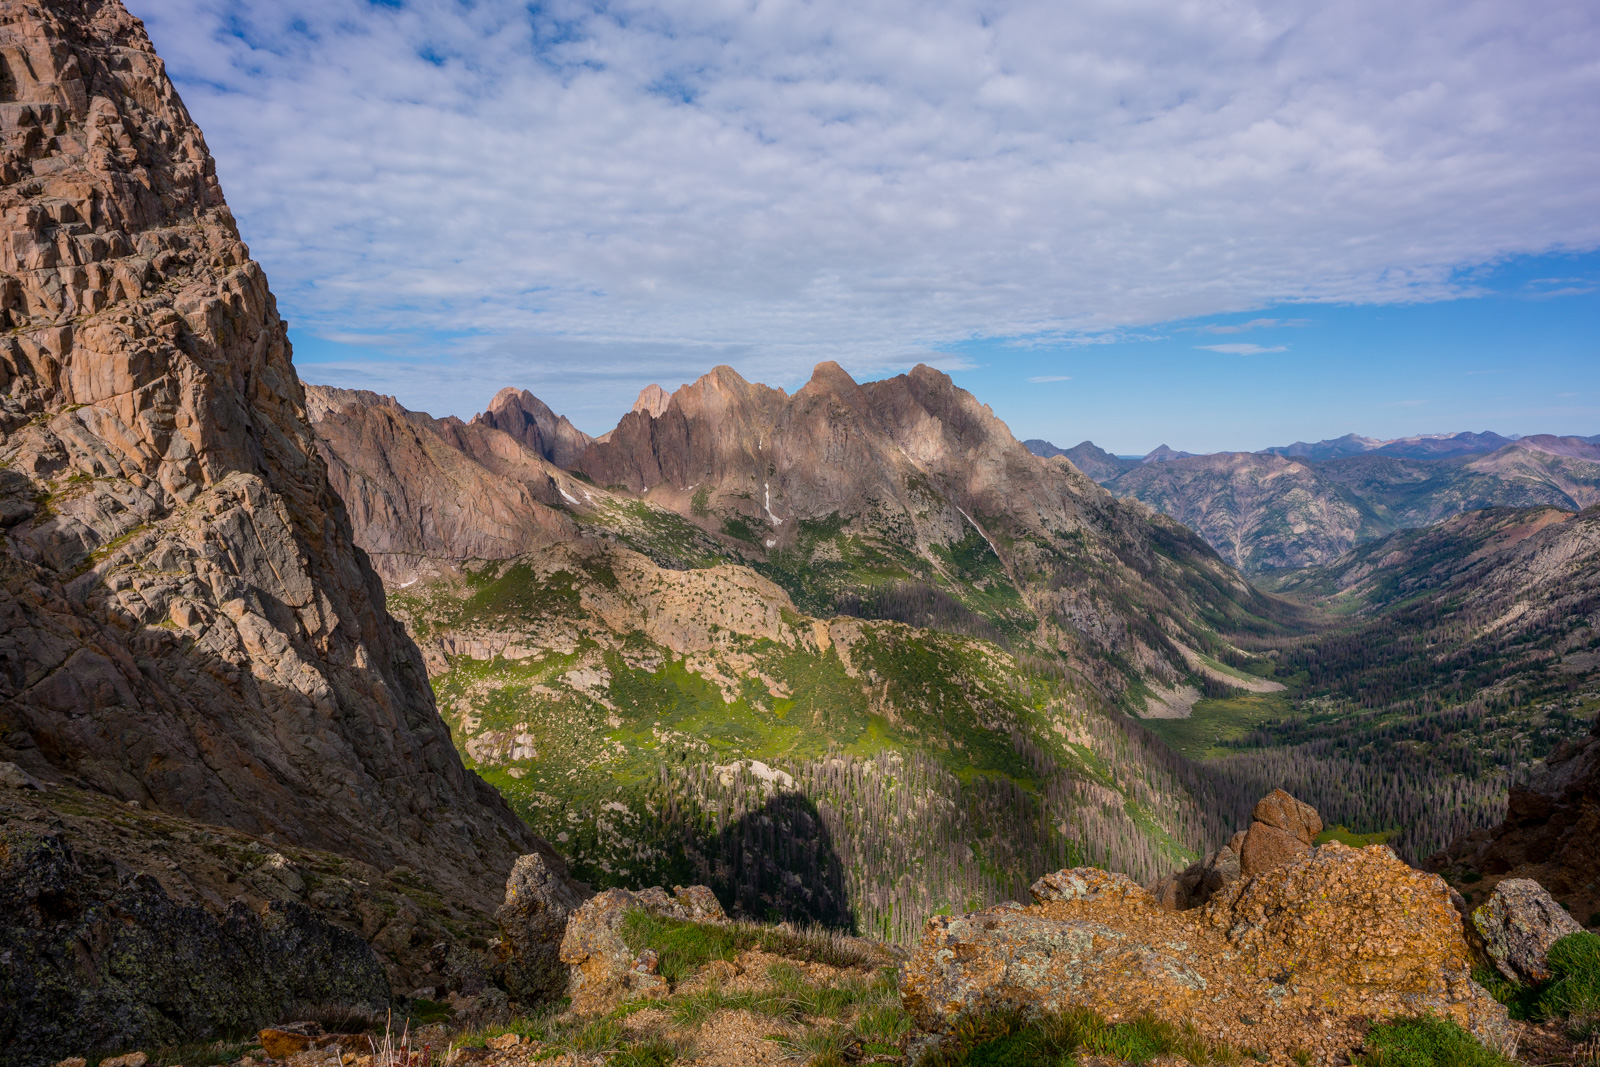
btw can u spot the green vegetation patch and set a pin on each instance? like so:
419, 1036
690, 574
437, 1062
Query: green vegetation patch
1215, 724
1426, 1041
684, 947
1348, 837
1574, 986
1012, 1039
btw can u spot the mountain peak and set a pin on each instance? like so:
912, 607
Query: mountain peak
653, 401
525, 417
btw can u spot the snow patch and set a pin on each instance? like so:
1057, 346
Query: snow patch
975, 526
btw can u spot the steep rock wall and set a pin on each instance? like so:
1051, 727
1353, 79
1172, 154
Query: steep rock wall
187, 622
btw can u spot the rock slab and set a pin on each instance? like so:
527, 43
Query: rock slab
533, 920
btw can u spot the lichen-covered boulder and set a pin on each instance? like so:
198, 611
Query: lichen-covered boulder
695, 903
1301, 957
1011, 956
602, 969
1516, 926
1358, 928
533, 920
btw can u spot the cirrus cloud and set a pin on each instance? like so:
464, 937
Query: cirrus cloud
1243, 349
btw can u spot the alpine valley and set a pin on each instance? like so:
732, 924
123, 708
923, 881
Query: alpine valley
321, 714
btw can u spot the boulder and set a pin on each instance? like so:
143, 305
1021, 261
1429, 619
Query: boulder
1516, 927
1306, 953
1281, 830
14, 777
1283, 812
604, 970
281, 1044
696, 903
1266, 847
533, 920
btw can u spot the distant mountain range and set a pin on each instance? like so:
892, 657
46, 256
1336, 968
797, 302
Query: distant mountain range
1305, 504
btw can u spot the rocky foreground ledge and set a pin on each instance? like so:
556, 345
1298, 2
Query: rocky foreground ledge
1271, 949
1299, 959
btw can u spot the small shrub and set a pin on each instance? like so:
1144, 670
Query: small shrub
817, 1045
587, 1039
881, 1026
344, 1019
1426, 1041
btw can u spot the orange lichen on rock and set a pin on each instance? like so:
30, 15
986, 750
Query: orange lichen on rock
1304, 954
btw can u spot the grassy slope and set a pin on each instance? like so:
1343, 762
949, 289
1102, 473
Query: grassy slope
620, 750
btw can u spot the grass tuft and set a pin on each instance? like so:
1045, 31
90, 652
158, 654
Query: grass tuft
1009, 1038
1574, 987
1426, 1041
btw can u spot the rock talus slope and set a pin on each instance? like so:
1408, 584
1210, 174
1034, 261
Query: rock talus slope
187, 621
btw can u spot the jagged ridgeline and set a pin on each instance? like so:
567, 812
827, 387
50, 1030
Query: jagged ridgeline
862, 617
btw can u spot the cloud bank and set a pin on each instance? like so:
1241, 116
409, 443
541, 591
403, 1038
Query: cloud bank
827, 179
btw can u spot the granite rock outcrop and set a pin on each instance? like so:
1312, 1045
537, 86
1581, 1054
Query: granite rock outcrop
1296, 959
1282, 829
604, 970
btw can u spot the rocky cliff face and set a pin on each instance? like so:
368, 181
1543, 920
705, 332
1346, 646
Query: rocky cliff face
188, 622
1260, 512
420, 489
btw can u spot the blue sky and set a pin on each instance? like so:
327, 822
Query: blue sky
1212, 224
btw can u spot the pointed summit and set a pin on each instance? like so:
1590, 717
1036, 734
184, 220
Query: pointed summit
653, 401
527, 418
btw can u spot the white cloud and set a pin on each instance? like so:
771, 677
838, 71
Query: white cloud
1255, 324
1244, 349
1051, 378
828, 179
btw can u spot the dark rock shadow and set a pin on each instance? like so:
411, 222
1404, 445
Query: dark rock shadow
777, 863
